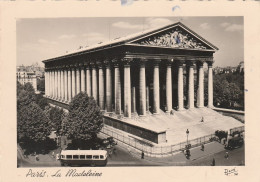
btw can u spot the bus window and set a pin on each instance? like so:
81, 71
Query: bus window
75, 157
82, 156
69, 156
95, 156
89, 156
101, 157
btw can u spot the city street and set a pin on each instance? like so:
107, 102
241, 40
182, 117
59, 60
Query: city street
122, 157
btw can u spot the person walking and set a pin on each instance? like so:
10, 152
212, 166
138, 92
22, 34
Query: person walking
226, 155
142, 155
202, 147
213, 162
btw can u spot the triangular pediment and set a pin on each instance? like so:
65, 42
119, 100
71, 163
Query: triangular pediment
175, 36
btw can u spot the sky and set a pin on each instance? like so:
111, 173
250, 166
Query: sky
43, 38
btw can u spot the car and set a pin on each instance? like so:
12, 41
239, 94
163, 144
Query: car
112, 141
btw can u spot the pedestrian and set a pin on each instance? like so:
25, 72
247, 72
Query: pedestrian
213, 162
142, 155
57, 157
226, 155
53, 154
202, 147
36, 157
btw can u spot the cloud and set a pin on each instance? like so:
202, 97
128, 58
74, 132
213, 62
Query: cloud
127, 25
225, 24
157, 22
94, 37
44, 41
205, 26
234, 28
67, 36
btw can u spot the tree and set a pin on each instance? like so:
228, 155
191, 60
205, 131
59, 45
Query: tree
84, 120
41, 85
32, 123
56, 116
29, 88
41, 101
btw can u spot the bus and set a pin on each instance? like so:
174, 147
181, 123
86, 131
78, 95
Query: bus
83, 157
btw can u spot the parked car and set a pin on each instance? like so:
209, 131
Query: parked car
235, 143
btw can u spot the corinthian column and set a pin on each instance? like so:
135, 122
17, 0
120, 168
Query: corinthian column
73, 82
117, 89
88, 81
142, 90
69, 84
108, 88
180, 86
46, 81
56, 84
156, 89
83, 80
94, 84
52, 84
191, 85
200, 90
62, 84
101, 89
210, 85
127, 90
66, 85
169, 86
59, 84
77, 80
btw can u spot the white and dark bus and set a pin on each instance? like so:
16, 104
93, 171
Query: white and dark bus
83, 157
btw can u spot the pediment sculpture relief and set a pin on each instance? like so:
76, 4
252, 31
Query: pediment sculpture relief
175, 39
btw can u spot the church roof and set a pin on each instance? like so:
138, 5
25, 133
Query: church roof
144, 39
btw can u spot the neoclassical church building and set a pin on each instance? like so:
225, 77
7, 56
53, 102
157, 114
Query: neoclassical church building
143, 83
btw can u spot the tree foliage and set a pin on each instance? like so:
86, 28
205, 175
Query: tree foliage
56, 116
229, 90
41, 85
32, 123
84, 120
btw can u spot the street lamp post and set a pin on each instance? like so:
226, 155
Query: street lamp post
187, 132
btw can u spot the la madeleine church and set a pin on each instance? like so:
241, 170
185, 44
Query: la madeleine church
141, 77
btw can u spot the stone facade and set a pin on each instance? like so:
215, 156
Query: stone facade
139, 75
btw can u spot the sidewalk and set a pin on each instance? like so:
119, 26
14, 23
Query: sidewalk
180, 158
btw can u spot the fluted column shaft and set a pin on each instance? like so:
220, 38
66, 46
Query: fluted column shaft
88, 81
142, 84
62, 84
200, 91
117, 90
52, 84
69, 84
83, 80
73, 82
108, 89
101, 90
169, 87
59, 85
133, 104
46, 82
77, 80
56, 85
127, 91
191, 86
210, 85
94, 84
65, 85
180, 86
156, 89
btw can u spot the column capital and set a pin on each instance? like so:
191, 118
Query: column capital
210, 63
200, 63
180, 63
190, 63
156, 62
169, 61
126, 61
